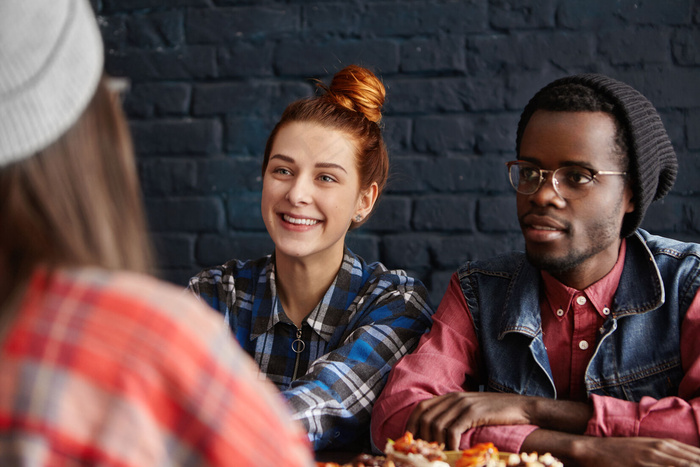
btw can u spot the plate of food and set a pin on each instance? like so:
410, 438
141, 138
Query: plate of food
408, 451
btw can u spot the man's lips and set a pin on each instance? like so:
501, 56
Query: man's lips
539, 222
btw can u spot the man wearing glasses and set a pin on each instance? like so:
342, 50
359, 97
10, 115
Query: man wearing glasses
588, 344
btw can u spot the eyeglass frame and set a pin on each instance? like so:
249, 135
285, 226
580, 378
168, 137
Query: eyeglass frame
555, 182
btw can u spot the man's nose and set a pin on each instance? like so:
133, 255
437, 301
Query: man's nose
547, 193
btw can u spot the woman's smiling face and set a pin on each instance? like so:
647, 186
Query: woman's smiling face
311, 191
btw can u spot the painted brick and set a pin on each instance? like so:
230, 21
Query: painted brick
243, 212
244, 59
322, 58
179, 276
412, 18
438, 95
155, 29
330, 18
147, 100
453, 251
209, 79
407, 174
497, 214
288, 93
391, 214
113, 30
602, 13
172, 176
437, 281
187, 62
246, 135
520, 14
635, 46
364, 245
183, 136
465, 173
221, 25
174, 250
112, 6
686, 46
693, 129
440, 133
445, 213
409, 249
670, 12
230, 175
687, 179
666, 216
211, 250
496, 133
433, 54
396, 133
190, 214
593, 14
232, 98
667, 87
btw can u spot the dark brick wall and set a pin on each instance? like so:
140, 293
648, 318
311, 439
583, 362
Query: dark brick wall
210, 77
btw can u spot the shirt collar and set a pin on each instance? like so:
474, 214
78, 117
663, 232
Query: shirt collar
601, 293
329, 313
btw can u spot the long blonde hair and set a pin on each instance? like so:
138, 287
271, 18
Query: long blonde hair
77, 202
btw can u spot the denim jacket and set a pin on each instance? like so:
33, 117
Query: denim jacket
638, 350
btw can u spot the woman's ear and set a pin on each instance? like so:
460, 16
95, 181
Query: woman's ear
365, 203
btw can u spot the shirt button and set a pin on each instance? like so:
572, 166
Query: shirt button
606, 311
581, 300
560, 312
583, 345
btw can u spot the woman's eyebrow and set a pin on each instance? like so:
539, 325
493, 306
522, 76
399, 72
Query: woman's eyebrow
282, 157
330, 165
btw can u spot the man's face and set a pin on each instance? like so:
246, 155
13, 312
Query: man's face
576, 240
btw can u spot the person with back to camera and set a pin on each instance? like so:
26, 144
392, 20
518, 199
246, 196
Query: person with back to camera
322, 324
100, 364
585, 345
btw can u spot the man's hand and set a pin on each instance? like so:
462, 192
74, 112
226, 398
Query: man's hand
445, 418
585, 451
638, 451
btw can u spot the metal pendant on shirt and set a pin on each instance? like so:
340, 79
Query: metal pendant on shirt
298, 345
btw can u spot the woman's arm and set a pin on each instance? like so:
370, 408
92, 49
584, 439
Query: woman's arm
334, 399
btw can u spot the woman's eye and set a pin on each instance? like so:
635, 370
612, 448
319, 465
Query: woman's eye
326, 178
281, 171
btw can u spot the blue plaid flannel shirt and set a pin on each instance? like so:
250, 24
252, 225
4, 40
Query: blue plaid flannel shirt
368, 319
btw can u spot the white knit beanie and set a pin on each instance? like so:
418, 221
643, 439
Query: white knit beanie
51, 59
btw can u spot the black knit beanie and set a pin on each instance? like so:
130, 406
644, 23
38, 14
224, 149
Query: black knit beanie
653, 164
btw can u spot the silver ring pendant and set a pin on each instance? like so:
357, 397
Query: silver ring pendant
298, 346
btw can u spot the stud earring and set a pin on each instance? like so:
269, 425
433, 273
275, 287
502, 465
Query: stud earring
358, 218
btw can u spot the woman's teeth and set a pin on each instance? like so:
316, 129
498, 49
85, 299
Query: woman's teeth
294, 220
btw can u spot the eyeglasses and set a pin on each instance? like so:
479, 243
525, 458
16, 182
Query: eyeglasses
570, 182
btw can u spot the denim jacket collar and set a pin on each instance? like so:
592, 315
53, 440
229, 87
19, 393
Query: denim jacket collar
643, 291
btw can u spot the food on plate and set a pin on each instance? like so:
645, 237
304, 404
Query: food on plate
409, 452
487, 455
479, 455
367, 460
417, 452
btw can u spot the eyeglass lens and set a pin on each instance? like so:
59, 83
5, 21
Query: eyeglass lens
569, 182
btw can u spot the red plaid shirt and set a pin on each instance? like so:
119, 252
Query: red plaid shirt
119, 369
